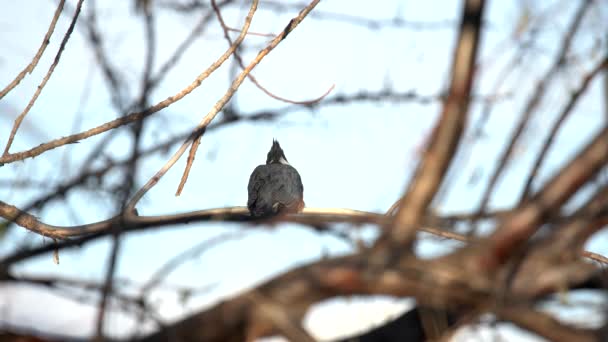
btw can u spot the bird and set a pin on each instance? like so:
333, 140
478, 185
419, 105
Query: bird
275, 187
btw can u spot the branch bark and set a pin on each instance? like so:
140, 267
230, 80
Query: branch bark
447, 133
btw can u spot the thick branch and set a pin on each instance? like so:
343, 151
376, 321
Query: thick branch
448, 131
545, 325
518, 227
438, 284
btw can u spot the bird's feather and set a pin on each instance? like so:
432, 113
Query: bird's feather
274, 187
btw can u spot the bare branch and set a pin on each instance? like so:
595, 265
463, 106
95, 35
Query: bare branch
46, 78
45, 42
222, 102
519, 226
239, 60
278, 315
532, 104
163, 271
545, 325
122, 120
557, 125
446, 134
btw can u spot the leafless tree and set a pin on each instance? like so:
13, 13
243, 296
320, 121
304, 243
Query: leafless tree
526, 254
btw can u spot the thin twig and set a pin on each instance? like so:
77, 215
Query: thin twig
540, 158
189, 162
45, 42
259, 34
194, 138
131, 171
396, 22
227, 96
596, 257
119, 121
532, 104
110, 73
46, 78
252, 78
195, 251
196, 32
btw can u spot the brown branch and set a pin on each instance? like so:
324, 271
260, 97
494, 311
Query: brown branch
189, 162
229, 320
518, 227
259, 34
596, 257
544, 325
131, 171
46, 78
97, 174
195, 137
436, 283
477, 130
170, 265
227, 96
173, 263
532, 104
78, 235
396, 22
58, 283
110, 73
304, 286
447, 133
309, 216
196, 32
558, 124
276, 314
583, 223
45, 42
119, 121
554, 262
563, 247
381, 96
252, 78
284, 99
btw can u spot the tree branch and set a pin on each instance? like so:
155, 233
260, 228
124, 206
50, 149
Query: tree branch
447, 133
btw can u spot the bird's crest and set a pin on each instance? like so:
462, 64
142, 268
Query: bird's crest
276, 155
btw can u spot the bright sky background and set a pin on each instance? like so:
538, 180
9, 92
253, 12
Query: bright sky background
357, 156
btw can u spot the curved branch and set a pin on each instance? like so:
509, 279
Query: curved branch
315, 217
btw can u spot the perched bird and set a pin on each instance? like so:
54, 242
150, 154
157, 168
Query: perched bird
275, 187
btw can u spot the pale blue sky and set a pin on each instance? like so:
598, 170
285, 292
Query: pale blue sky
356, 157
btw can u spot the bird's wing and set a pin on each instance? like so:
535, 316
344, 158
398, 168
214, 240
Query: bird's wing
257, 180
289, 191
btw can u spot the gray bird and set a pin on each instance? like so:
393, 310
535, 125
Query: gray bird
275, 187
